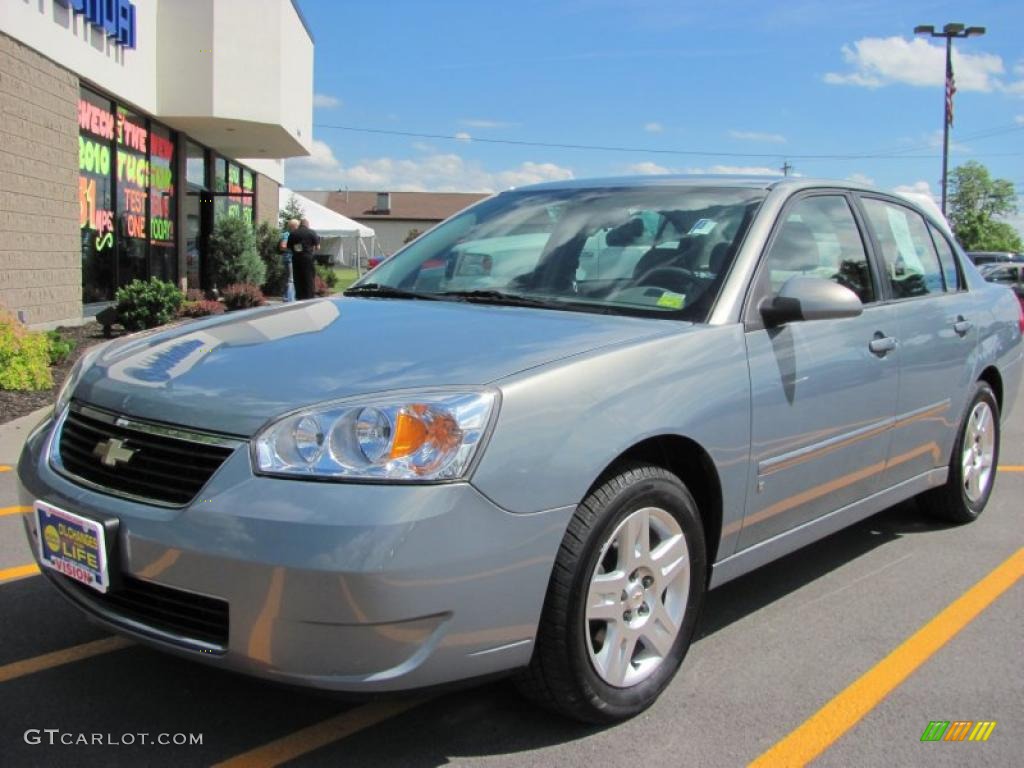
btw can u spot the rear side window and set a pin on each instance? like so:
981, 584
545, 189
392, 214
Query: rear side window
818, 237
947, 259
911, 263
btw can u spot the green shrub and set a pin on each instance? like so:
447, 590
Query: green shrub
201, 308
268, 238
233, 254
328, 275
243, 296
60, 348
24, 356
147, 303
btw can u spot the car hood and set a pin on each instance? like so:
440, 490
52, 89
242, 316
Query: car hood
232, 373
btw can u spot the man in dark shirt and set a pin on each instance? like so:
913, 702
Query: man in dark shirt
303, 242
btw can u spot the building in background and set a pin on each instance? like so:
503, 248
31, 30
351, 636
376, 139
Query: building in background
393, 215
128, 128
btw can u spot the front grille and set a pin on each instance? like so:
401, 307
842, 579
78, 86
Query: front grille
162, 468
172, 611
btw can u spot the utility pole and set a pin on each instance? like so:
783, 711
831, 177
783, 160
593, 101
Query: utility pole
949, 32
786, 168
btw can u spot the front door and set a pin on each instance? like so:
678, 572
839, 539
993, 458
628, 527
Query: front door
823, 392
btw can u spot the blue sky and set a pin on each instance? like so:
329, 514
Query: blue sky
750, 83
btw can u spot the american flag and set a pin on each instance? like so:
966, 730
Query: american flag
950, 90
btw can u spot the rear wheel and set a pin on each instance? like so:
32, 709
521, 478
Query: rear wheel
972, 470
624, 598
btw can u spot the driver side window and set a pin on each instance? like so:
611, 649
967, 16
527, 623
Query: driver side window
818, 237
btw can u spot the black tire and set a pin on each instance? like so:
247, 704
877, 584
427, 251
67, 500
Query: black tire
561, 675
951, 502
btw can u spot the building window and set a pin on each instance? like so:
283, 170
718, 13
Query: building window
126, 197
96, 195
195, 164
237, 198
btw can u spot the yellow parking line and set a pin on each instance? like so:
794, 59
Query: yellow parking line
1011, 468
58, 658
821, 729
5, 468
18, 572
321, 734
14, 510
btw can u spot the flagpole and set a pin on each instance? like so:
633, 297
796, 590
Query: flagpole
947, 118
949, 32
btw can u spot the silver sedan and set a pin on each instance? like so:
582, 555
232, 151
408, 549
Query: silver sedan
582, 406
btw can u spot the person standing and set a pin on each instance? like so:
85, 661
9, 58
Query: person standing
286, 258
302, 243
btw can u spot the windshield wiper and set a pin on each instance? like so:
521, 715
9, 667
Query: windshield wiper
499, 297
386, 292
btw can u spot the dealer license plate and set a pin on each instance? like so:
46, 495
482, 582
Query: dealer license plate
72, 545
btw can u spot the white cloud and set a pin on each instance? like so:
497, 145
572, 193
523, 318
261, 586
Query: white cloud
654, 127
474, 122
1019, 119
738, 170
767, 138
438, 172
647, 169
917, 188
325, 101
860, 178
1018, 68
879, 61
463, 136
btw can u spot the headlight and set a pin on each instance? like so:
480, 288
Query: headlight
408, 438
67, 389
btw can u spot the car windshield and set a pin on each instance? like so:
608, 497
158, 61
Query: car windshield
656, 251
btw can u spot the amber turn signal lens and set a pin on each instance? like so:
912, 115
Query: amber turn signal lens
410, 434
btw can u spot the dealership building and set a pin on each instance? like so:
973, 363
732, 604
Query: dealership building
127, 129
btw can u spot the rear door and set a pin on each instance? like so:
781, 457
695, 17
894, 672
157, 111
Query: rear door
937, 333
823, 392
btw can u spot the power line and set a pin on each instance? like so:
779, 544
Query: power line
892, 155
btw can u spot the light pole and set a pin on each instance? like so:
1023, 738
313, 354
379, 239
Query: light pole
949, 32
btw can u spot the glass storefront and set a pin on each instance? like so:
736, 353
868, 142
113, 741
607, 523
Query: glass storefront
128, 194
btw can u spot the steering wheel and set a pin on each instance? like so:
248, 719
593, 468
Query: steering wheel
676, 279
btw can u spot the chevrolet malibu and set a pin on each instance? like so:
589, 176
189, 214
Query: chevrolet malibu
583, 405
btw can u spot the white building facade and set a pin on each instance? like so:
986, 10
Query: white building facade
128, 128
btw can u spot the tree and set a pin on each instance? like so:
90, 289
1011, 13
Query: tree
268, 237
411, 235
291, 210
233, 253
975, 200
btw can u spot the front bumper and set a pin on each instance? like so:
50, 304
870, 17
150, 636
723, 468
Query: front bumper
338, 586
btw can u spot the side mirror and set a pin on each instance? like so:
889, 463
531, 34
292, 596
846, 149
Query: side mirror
809, 298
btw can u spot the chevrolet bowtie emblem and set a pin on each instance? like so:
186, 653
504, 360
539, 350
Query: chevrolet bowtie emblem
112, 451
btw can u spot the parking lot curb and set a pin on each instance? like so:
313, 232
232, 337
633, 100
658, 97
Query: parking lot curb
13, 434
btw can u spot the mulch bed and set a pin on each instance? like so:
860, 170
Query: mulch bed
15, 404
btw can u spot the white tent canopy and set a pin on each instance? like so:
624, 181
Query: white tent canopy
333, 228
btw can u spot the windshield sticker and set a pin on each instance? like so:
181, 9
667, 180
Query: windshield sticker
671, 300
702, 227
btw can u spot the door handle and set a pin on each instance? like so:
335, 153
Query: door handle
962, 325
881, 344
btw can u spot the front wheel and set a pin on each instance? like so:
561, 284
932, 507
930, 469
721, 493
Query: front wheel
624, 598
972, 470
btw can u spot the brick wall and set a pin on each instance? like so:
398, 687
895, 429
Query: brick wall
40, 253
266, 199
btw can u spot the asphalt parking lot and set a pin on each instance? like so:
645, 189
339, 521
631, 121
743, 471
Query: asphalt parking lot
844, 651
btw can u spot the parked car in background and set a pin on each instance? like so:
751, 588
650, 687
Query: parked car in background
584, 404
990, 257
1011, 275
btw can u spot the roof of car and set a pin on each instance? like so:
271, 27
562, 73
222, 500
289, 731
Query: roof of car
699, 180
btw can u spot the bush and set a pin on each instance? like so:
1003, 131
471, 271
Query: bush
59, 347
268, 238
147, 303
195, 294
320, 288
24, 356
233, 254
243, 296
201, 308
328, 275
